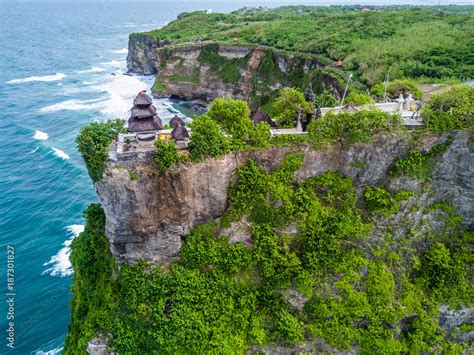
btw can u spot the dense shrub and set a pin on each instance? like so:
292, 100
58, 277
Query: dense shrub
288, 105
405, 86
453, 109
233, 116
260, 136
207, 140
444, 274
358, 99
348, 128
166, 154
92, 290
380, 201
93, 143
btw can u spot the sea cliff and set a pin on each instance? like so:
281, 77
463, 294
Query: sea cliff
211, 70
146, 218
300, 231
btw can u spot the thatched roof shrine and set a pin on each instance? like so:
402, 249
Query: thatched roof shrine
261, 116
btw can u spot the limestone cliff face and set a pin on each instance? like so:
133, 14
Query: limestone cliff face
208, 71
147, 217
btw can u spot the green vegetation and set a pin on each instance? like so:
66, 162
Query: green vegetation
223, 297
289, 104
424, 43
380, 201
260, 135
166, 154
397, 87
418, 164
159, 86
358, 99
233, 116
348, 128
92, 290
286, 140
227, 69
207, 139
93, 143
445, 276
453, 109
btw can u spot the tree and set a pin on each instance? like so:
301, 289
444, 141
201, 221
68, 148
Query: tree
233, 116
93, 143
405, 86
289, 104
358, 99
206, 139
326, 99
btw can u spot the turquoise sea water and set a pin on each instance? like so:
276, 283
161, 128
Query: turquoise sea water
61, 66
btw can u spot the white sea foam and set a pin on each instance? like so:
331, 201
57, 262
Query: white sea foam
60, 265
55, 77
34, 150
61, 154
50, 352
92, 70
72, 105
42, 136
120, 51
115, 63
122, 89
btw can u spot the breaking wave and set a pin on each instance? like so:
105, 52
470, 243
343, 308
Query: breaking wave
55, 77
120, 51
72, 105
42, 136
91, 70
60, 265
61, 154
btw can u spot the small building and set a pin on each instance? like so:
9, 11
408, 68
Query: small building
338, 63
179, 133
176, 121
143, 116
261, 116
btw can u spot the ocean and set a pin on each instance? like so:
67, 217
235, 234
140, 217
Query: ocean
62, 65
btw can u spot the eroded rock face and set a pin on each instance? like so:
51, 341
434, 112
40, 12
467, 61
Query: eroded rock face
181, 70
146, 218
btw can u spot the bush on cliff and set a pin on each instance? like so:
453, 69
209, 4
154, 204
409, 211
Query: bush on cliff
358, 99
288, 105
92, 290
93, 142
348, 128
453, 109
207, 139
233, 116
444, 274
260, 135
166, 154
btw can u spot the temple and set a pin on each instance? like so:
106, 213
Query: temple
143, 116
